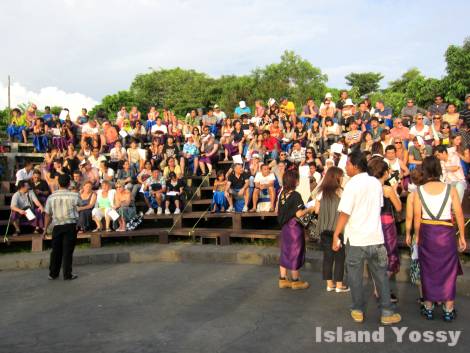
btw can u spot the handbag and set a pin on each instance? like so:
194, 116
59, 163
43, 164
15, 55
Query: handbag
305, 220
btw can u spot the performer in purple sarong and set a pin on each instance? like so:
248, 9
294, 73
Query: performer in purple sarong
391, 203
292, 256
437, 247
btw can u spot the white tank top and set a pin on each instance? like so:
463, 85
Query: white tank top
395, 165
434, 203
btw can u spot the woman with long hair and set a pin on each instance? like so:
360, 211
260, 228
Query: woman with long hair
379, 169
437, 248
417, 179
326, 206
291, 207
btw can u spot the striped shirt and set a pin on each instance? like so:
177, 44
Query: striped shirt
62, 205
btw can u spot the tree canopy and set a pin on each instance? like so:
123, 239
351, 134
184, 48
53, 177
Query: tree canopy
365, 82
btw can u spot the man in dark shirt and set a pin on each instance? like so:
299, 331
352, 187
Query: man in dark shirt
439, 107
40, 187
237, 189
465, 113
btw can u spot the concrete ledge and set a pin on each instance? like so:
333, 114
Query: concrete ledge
185, 252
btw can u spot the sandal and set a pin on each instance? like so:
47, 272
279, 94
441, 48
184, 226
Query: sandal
108, 230
36, 230
96, 230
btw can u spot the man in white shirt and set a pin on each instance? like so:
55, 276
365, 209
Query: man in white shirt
25, 173
96, 158
359, 217
452, 171
264, 188
219, 114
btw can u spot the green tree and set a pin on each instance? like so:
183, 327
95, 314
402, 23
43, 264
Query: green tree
365, 82
178, 89
111, 104
457, 81
294, 77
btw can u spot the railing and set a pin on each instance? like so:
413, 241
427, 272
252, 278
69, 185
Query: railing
198, 190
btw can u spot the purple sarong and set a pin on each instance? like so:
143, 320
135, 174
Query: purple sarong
439, 262
231, 148
391, 242
23, 221
292, 245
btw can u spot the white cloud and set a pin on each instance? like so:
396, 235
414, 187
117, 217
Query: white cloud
51, 96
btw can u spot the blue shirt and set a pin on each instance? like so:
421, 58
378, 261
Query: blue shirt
240, 111
191, 149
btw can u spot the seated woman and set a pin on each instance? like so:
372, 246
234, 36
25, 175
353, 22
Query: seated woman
124, 206
155, 153
209, 155
71, 162
87, 200
288, 136
256, 147
127, 176
235, 143
16, 129
22, 201
103, 207
174, 191
190, 155
40, 140
219, 199
109, 136
172, 167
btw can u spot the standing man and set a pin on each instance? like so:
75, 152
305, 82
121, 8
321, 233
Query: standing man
62, 207
359, 217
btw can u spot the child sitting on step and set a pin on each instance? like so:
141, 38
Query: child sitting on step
219, 201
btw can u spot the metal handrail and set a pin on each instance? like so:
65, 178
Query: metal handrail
192, 197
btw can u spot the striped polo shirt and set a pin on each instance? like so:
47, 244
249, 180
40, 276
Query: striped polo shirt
62, 205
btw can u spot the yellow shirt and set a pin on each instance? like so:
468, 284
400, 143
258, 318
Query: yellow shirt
452, 119
288, 108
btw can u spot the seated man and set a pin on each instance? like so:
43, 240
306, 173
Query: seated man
23, 202
149, 191
237, 190
298, 153
25, 173
452, 171
264, 191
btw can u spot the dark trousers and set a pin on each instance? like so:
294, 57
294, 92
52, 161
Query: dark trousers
332, 258
63, 244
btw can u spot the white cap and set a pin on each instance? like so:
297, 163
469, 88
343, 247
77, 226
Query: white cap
242, 104
271, 101
348, 102
328, 95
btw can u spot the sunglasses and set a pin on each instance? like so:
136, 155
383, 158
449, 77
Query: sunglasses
437, 119
308, 152
398, 143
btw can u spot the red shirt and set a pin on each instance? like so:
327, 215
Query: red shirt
271, 143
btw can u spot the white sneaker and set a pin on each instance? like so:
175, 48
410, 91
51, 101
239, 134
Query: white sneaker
167, 211
230, 209
177, 211
149, 212
245, 209
159, 210
342, 290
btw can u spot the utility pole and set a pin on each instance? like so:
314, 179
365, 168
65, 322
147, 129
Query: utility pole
9, 83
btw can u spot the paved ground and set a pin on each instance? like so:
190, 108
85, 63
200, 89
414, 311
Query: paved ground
177, 307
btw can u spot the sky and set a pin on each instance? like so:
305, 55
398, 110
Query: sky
74, 52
